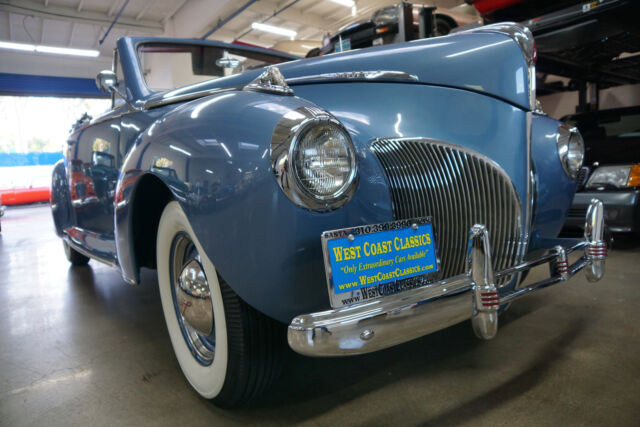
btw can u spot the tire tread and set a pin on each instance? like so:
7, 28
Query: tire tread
76, 258
256, 345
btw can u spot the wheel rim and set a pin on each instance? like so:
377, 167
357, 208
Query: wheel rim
192, 299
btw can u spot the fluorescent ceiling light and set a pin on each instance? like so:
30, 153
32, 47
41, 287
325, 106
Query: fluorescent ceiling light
345, 3
274, 30
67, 51
17, 46
49, 49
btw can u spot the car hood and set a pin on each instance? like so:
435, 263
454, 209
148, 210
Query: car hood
487, 62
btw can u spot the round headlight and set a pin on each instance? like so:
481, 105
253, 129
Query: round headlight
324, 160
314, 160
570, 149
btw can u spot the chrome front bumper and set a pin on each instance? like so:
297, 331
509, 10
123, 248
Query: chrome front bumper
388, 321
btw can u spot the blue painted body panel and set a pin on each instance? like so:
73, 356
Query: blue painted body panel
215, 159
553, 186
489, 63
243, 218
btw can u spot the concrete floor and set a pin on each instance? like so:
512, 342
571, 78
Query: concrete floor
80, 347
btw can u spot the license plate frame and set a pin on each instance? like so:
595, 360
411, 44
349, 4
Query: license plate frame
379, 280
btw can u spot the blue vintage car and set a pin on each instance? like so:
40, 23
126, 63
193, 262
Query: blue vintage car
364, 199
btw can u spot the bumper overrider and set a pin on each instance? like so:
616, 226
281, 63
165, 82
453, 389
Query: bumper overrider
391, 320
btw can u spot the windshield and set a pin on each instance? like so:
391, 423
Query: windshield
167, 66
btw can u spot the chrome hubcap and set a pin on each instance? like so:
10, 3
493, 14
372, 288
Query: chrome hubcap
192, 299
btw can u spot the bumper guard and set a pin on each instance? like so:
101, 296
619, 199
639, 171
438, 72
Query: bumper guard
391, 320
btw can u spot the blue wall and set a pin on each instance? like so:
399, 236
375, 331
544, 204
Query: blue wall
29, 159
24, 84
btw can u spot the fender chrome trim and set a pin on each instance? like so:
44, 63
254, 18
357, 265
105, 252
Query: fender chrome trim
357, 76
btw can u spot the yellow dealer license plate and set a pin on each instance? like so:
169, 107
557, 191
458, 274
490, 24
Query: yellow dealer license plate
371, 261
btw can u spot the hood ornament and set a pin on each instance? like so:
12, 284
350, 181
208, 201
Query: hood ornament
270, 81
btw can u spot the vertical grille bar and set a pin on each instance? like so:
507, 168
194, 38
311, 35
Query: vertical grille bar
458, 188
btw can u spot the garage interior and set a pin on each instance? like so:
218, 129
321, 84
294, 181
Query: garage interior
79, 346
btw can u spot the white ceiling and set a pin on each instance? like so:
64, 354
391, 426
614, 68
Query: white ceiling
83, 23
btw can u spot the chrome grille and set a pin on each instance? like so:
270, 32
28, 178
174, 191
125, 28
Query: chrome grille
458, 188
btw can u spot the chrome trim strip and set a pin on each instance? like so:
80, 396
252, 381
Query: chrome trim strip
524, 38
83, 251
154, 103
391, 320
531, 197
518, 32
357, 76
284, 89
573, 269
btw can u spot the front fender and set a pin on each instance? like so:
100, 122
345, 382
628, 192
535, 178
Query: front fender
554, 189
213, 155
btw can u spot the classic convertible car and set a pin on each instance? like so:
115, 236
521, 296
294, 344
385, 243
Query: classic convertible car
364, 199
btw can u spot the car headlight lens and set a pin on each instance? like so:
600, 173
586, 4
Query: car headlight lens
570, 149
314, 160
621, 176
324, 160
386, 15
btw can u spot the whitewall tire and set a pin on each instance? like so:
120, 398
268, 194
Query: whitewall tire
228, 351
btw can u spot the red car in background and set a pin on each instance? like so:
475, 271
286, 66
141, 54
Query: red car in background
517, 10
82, 188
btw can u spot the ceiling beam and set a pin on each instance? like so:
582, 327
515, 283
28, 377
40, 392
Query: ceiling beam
72, 33
114, 6
194, 19
229, 36
223, 22
97, 31
9, 15
70, 14
173, 11
145, 8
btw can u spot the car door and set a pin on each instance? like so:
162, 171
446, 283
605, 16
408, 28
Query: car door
93, 166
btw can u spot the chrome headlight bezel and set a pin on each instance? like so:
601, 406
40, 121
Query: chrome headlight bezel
285, 141
570, 150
